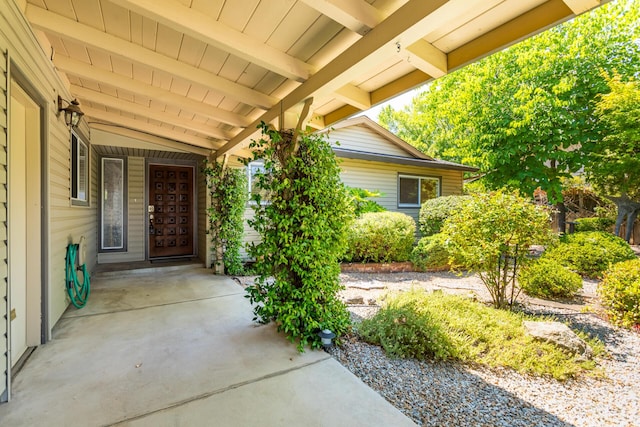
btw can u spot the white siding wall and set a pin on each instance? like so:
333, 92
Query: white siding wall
135, 215
382, 177
65, 223
361, 138
4, 307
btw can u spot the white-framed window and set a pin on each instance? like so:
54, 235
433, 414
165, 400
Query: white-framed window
79, 171
254, 168
413, 191
112, 204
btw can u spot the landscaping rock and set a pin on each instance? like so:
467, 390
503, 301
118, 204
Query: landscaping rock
355, 300
560, 335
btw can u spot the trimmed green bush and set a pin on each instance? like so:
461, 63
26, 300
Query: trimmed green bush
589, 253
620, 293
594, 224
431, 253
406, 332
434, 212
547, 279
380, 237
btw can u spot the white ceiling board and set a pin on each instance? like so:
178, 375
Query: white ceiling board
62, 7
149, 33
208, 7
168, 41
142, 74
191, 51
213, 60
122, 67
237, 15
297, 22
76, 50
266, 18
57, 44
89, 12
99, 58
137, 29
315, 38
116, 20
180, 86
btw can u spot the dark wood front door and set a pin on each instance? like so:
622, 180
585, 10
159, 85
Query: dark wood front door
171, 202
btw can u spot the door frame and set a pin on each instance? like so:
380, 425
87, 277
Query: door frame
171, 162
14, 74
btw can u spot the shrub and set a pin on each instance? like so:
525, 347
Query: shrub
303, 235
361, 201
434, 212
431, 253
436, 325
491, 235
589, 253
620, 292
380, 237
594, 224
547, 279
403, 331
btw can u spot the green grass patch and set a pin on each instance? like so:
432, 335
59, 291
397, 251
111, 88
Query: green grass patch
422, 325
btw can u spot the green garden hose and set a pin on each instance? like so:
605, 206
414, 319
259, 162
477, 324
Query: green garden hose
79, 293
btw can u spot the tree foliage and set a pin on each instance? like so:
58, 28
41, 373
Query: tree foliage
302, 229
361, 200
525, 115
228, 191
491, 235
615, 165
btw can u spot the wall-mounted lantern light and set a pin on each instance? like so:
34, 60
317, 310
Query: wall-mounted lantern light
72, 112
326, 337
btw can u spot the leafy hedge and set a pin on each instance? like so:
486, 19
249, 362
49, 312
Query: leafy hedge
545, 278
431, 253
361, 200
589, 253
594, 224
620, 292
380, 237
434, 212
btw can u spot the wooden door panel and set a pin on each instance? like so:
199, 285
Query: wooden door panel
171, 224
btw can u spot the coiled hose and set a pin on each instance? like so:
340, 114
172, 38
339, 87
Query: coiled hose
79, 293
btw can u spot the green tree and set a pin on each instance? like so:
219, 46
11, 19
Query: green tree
525, 115
303, 235
615, 165
228, 191
491, 235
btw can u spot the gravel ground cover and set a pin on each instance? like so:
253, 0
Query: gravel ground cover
452, 394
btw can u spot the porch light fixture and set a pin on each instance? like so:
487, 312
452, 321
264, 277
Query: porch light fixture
72, 112
326, 338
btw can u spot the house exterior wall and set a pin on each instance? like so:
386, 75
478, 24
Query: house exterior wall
383, 177
135, 215
65, 223
361, 138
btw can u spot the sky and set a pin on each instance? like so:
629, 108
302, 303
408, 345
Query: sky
396, 103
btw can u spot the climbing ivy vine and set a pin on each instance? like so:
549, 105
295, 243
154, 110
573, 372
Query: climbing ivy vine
228, 191
302, 227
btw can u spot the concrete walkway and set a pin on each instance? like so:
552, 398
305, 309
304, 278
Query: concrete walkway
178, 348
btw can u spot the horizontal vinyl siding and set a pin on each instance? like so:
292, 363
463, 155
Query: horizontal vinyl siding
383, 177
361, 138
135, 215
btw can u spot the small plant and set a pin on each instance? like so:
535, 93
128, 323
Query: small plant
594, 224
439, 326
546, 279
361, 201
228, 191
491, 234
589, 253
380, 237
434, 212
620, 293
431, 253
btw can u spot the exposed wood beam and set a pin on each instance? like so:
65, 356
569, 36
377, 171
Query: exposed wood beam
204, 28
152, 139
532, 22
581, 6
140, 110
140, 126
407, 22
428, 58
355, 96
69, 29
101, 76
357, 15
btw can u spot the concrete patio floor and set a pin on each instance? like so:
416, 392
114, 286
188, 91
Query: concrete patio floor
178, 348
